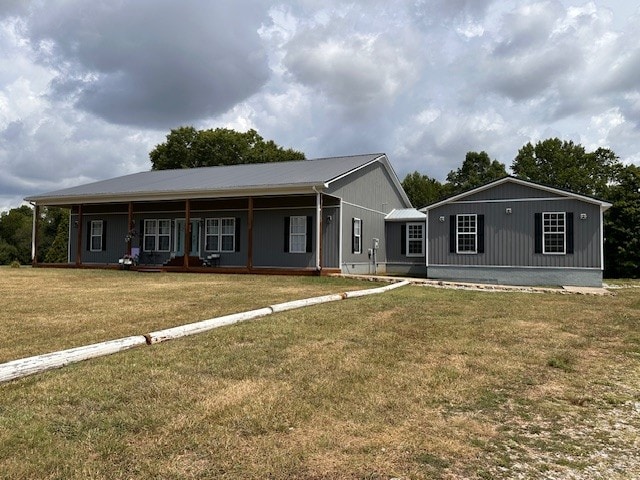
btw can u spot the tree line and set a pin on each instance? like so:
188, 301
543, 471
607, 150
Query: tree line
552, 162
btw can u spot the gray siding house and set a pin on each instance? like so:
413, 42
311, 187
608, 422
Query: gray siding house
311, 216
511, 231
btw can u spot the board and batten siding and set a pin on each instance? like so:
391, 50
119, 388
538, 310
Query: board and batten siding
510, 191
115, 246
368, 194
509, 239
370, 187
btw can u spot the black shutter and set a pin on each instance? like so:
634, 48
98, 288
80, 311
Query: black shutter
309, 234
287, 223
403, 239
480, 230
569, 232
452, 234
538, 232
88, 236
141, 236
104, 235
237, 241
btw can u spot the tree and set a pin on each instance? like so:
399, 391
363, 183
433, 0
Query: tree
422, 189
622, 226
477, 169
57, 252
566, 165
15, 231
186, 147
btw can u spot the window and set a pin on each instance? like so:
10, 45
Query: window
220, 234
95, 240
212, 235
466, 233
415, 239
298, 234
228, 234
357, 236
553, 233
157, 235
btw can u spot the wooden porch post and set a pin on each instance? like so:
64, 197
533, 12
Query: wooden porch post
79, 238
250, 235
187, 232
35, 235
131, 225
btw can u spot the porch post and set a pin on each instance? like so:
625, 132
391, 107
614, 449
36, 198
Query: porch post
318, 231
130, 226
250, 234
34, 235
187, 232
79, 238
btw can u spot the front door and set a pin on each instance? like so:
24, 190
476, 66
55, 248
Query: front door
181, 237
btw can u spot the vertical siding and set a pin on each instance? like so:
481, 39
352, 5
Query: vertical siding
372, 227
509, 190
369, 187
331, 237
115, 247
509, 239
269, 239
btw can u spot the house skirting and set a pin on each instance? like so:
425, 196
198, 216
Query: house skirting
406, 268
526, 276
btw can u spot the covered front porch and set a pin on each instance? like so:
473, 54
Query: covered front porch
254, 234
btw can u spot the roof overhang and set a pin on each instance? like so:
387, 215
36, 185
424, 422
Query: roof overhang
161, 196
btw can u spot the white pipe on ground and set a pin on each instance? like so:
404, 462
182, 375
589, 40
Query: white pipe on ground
48, 361
41, 363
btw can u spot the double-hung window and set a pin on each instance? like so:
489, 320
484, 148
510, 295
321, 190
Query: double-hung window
357, 236
157, 235
553, 232
467, 233
298, 234
220, 234
95, 240
415, 239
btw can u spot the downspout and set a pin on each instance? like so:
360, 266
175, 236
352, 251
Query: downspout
318, 228
426, 245
602, 240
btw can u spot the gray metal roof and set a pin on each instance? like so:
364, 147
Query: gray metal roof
210, 180
405, 214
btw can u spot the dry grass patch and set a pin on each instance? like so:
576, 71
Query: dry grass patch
415, 383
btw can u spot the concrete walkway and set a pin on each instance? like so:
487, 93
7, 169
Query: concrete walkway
482, 286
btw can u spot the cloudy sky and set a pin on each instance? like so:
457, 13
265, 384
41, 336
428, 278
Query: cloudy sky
89, 87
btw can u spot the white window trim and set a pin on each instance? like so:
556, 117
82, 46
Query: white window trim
409, 239
474, 233
156, 236
92, 235
564, 233
358, 222
297, 234
220, 235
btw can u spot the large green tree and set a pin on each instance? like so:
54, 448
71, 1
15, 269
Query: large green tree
622, 225
15, 235
477, 169
422, 189
186, 147
567, 165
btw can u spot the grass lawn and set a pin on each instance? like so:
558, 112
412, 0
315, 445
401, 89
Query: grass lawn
413, 383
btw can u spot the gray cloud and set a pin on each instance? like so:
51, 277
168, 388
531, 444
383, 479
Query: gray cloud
150, 63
